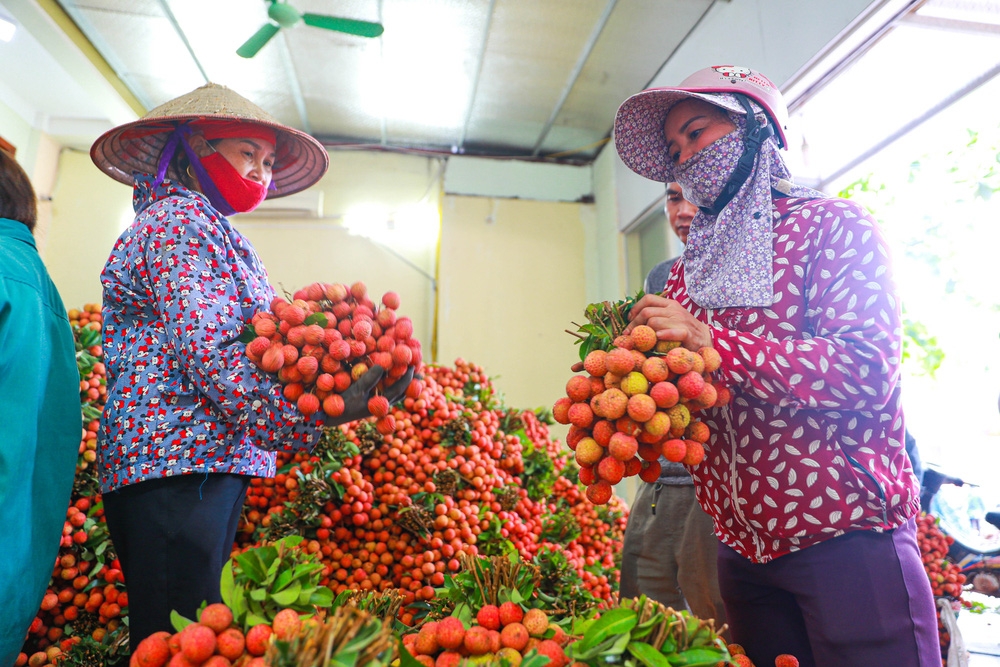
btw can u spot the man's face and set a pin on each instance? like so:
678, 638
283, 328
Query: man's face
680, 212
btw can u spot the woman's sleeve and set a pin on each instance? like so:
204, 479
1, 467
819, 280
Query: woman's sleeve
850, 359
197, 289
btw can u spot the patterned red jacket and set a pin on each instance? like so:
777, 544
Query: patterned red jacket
811, 445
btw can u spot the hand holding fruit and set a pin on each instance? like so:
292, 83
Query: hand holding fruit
356, 398
671, 321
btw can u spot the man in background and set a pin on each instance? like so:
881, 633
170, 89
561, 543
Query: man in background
670, 546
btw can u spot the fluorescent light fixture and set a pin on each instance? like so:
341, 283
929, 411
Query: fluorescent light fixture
409, 226
7, 28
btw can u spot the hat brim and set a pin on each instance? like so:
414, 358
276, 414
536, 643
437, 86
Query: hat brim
135, 147
638, 129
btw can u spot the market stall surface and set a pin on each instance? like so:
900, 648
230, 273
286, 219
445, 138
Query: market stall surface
981, 633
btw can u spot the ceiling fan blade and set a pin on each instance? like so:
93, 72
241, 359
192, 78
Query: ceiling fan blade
350, 26
258, 40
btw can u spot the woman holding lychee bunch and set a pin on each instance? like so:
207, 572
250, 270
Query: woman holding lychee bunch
189, 420
806, 478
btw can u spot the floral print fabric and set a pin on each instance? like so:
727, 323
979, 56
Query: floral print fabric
182, 396
811, 444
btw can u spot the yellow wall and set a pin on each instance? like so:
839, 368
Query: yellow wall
512, 280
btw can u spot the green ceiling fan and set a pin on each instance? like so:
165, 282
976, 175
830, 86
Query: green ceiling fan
284, 15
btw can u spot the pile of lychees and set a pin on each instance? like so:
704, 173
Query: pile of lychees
501, 634
327, 337
635, 403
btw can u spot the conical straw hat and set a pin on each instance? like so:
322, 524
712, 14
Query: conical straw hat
136, 146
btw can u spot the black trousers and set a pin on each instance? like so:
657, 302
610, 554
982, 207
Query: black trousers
173, 536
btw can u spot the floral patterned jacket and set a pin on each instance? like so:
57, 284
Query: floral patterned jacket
182, 396
812, 443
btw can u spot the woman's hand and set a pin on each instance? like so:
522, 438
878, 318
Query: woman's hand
671, 321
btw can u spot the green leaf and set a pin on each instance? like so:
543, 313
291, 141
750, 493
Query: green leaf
535, 659
648, 655
699, 657
251, 565
227, 584
463, 612
345, 659
254, 619
321, 597
283, 579
247, 335
316, 318
613, 622
178, 621
406, 659
258, 594
288, 596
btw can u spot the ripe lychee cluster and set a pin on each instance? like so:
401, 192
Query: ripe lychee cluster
637, 402
327, 337
214, 641
740, 658
500, 633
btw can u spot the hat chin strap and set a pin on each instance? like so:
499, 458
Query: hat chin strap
754, 136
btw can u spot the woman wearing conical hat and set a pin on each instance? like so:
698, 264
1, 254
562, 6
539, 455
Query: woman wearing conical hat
189, 421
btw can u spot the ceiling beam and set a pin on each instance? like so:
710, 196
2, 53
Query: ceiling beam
62, 38
460, 146
957, 25
574, 75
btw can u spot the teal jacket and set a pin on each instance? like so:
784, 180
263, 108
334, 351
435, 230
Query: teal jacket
42, 425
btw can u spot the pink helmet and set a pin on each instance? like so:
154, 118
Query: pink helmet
639, 122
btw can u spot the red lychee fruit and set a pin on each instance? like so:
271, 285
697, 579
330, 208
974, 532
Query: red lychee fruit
553, 651
180, 660
620, 361
622, 447
658, 425
494, 636
690, 384
680, 417
708, 396
390, 300
643, 338
655, 369
378, 406
587, 475
611, 470
623, 342
650, 471
743, 661
488, 616
560, 410
599, 492
602, 432
614, 403
153, 651
286, 624
197, 643
628, 426
230, 643
581, 415
477, 640
258, 638
514, 635
786, 660
510, 612
449, 659
697, 431
578, 388
594, 363
641, 408
217, 661
680, 360
711, 357
536, 622
559, 635
450, 633
674, 450
359, 291
308, 404
426, 642
695, 453
665, 394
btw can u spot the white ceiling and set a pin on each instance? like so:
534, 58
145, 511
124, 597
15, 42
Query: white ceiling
523, 78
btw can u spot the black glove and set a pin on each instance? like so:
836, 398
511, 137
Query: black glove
356, 397
395, 392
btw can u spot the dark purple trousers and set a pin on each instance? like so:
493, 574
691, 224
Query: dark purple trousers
861, 599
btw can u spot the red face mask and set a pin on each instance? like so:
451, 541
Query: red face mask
241, 194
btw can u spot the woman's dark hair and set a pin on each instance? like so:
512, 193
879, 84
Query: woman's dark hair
17, 197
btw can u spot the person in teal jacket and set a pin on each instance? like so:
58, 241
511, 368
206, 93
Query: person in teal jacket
39, 410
